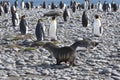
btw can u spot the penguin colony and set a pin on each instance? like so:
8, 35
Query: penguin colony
62, 54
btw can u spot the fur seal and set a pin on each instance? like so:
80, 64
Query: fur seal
97, 28
86, 42
53, 13
23, 25
39, 31
61, 54
85, 19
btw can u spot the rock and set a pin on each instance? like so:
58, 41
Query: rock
115, 73
20, 62
10, 60
116, 77
45, 72
13, 73
2, 67
9, 67
105, 71
3, 73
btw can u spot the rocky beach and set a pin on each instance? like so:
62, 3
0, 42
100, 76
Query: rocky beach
20, 61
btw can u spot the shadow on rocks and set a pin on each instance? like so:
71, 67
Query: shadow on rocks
52, 66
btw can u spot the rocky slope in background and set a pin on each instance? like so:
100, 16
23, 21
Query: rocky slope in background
20, 61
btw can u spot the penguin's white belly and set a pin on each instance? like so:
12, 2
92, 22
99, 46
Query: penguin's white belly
52, 30
26, 29
23, 4
17, 19
100, 7
96, 28
86, 5
2, 9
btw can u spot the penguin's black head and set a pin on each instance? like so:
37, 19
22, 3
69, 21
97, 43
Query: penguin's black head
53, 18
23, 16
85, 12
97, 16
39, 20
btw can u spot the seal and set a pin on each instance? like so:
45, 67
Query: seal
86, 42
61, 54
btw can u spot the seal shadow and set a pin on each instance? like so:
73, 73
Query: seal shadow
53, 66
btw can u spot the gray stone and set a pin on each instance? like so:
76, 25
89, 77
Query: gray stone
2, 67
45, 72
13, 73
20, 62
10, 60
3, 73
116, 77
105, 71
115, 73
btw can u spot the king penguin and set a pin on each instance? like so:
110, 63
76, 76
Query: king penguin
1, 10
23, 25
44, 5
15, 18
52, 29
99, 6
84, 19
97, 28
39, 32
22, 4
61, 4
65, 14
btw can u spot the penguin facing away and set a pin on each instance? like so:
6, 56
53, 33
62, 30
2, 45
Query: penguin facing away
65, 14
85, 19
52, 29
44, 5
61, 5
39, 32
97, 28
23, 25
